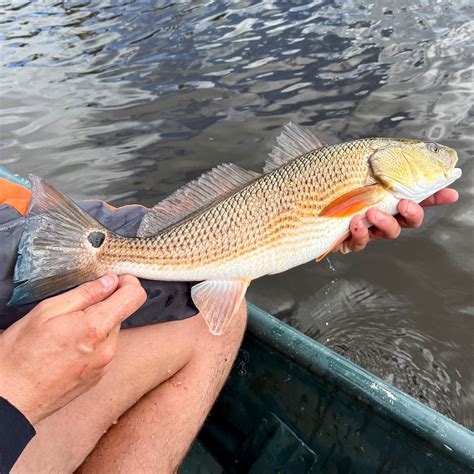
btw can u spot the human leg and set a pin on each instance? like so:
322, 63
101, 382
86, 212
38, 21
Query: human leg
155, 434
146, 357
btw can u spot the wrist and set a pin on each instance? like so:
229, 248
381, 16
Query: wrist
17, 396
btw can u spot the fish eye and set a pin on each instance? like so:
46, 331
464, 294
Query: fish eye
432, 147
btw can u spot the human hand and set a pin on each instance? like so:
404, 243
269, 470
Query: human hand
385, 226
64, 345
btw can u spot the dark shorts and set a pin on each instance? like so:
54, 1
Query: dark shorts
166, 301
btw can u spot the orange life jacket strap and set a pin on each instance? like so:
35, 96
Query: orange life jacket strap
17, 196
14, 195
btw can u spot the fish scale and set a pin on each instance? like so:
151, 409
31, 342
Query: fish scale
257, 218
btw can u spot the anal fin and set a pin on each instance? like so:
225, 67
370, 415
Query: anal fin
218, 301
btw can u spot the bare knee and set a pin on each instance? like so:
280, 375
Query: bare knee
212, 359
230, 341
237, 327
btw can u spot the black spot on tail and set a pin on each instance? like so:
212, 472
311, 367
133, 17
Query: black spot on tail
96, 239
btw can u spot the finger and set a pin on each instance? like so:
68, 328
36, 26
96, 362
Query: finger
444, 196
411, 214
113, 333
108, 314
359, 234
106, 352
385, 225
128, 279
81, 297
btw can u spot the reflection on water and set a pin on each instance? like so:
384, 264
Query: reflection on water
129, 100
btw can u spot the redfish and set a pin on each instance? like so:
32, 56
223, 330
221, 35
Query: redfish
231, 225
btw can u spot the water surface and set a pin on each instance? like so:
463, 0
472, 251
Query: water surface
127, 101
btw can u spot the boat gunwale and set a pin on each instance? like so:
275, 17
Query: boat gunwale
449, 437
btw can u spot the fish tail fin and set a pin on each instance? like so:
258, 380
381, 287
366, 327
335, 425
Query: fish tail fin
58, 248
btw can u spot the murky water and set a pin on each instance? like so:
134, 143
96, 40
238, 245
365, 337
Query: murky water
127, 101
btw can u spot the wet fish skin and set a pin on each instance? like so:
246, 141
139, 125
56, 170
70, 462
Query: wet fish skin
267, 216
259, 229
231, 225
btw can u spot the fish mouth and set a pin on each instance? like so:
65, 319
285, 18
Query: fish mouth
453, 174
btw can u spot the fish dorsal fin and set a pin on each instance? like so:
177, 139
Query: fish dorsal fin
292, 142
218, 301
214, 185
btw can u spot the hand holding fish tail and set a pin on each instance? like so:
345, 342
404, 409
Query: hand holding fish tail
64, 346
387, 227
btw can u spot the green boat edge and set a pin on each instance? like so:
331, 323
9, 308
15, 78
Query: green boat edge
240, 435
440, 431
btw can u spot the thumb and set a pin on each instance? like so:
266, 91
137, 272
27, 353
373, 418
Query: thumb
108, 314
80, 298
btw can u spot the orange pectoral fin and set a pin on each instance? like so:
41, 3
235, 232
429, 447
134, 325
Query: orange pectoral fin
353, 202
14, 195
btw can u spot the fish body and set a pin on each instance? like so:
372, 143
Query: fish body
269, 226
232, 226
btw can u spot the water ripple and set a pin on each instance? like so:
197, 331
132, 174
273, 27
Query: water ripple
378, 330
